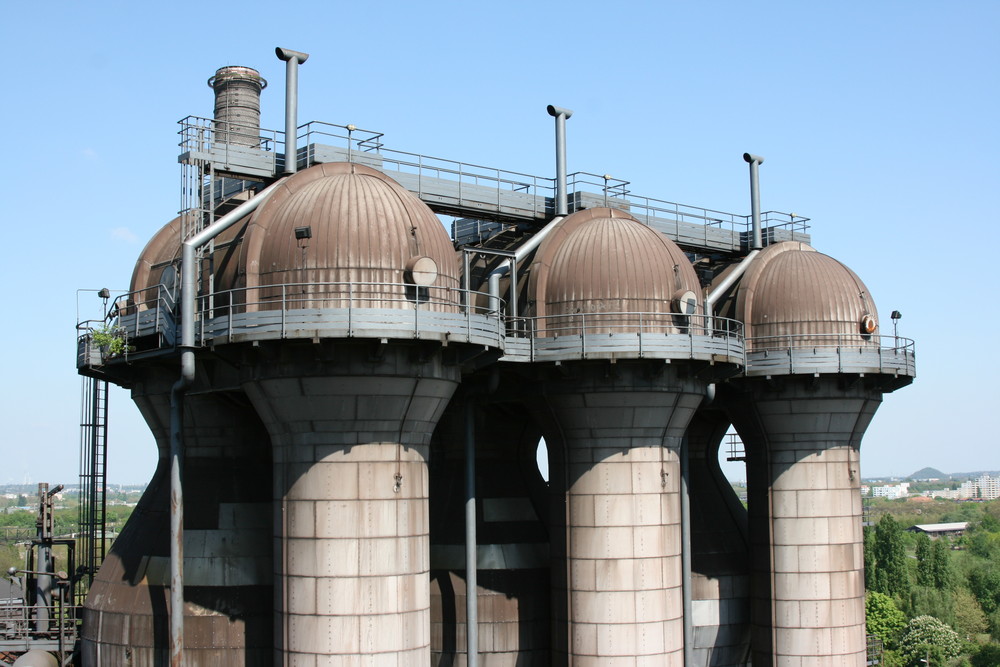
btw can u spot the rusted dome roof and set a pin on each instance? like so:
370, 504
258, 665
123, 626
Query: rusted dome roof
160, 251
344, 223
792, 290
156, 271
604, 260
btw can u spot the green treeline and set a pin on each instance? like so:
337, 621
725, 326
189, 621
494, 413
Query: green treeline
18, 526
935, 600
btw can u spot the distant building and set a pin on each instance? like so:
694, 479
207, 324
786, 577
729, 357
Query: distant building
891, 491
936, 530
989, 487
985, 487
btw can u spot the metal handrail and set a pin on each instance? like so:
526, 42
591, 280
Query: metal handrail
340, 294
629, 334
638, 322
197, 135
831, 353
830, 340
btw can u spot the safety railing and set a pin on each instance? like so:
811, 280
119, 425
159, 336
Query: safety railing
468, 185
400, 310
613, 190
201, 135
623, 335
468, 188
804, 353
22, 627
348, 309
133, 318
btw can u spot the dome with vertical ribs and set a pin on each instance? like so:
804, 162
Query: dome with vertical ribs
603, 261
793, 296
339, 235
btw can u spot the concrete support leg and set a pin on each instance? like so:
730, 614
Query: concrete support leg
351, 505
622, 432
803, 437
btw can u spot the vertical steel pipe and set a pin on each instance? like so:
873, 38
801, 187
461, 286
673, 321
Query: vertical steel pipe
512, 308
560, 115
755, 161
177, 511
471, 545
292, 61
189, 290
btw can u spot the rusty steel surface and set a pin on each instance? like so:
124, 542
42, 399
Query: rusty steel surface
237, 104
793, 290
604, 261
164, 247
356, 226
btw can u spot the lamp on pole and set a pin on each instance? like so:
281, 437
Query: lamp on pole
896, 315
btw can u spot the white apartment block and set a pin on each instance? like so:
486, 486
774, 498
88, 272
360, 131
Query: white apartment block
891, 490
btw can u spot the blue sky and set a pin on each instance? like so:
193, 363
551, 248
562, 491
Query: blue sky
877, 120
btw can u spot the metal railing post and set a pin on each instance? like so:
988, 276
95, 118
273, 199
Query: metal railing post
284, 293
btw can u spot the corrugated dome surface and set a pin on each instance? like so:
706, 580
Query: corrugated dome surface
159, 252
605, 261
804, 298
363, 228
163, 251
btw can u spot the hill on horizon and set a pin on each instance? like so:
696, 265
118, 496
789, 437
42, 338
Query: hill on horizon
928, 473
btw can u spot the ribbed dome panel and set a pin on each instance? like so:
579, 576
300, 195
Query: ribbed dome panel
804, 295
606, 262
364, 229
163, 248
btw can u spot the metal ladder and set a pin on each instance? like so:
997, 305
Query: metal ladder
93, 478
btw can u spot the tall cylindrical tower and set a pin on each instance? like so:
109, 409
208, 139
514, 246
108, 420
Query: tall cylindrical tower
237, 105
616, 424
815, 375
350, 418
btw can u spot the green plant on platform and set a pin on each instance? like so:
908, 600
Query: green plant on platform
111, 340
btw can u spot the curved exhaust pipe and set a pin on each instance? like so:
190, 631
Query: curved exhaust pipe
758, 243
292, 60
560, 114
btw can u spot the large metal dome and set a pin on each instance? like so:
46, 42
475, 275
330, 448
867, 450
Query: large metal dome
155, 279
159, 252
342, 234
804, 297
605, 261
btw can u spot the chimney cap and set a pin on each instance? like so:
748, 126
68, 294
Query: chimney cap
288, 54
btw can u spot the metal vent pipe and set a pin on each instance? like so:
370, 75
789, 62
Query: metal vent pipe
758, 243
292, 60
560, 115
189, 289
755, 161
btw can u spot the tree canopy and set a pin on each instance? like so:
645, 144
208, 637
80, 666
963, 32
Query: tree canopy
927, 636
